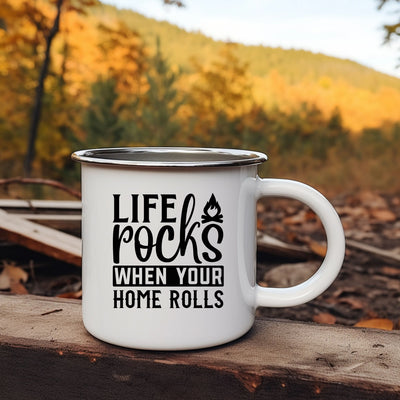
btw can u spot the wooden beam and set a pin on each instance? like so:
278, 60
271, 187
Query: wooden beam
30, 205
270, 245
392, 256
45, 352
40, 238
66, 215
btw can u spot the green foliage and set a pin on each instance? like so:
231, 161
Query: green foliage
158, 124
101, 121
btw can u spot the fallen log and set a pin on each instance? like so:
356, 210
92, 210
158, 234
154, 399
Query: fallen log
45, 352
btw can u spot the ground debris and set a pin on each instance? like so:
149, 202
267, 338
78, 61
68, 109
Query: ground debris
368, 286
291, 245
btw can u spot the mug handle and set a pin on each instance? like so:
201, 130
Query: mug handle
330, 267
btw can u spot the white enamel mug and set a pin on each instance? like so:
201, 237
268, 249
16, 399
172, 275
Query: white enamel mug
169, 245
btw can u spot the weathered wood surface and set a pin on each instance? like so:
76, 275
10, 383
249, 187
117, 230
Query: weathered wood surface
31, 205
45, 353
57, 214
270, 245
392, 256
66, 216
40, 238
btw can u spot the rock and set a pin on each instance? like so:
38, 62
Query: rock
287, 275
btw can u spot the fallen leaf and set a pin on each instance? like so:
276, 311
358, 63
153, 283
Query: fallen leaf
324, 318
310, 215
317, 248
12, 275
278, 228
355, 304
296, 219
355, 212
345, 291
377, 323
18, 288
393, 284
372, 200
383, 215
358, 234
391, 271
260, 208
393, 233
71, 295
260, 225
5, 281
396, 201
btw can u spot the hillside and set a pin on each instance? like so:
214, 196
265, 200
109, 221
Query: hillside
327, 121
294, 65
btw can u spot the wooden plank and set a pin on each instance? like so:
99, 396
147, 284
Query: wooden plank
57, 214
52, 213
270, 245
49, 217
42, 239
69, 223
392, 256
46, 353
41, 204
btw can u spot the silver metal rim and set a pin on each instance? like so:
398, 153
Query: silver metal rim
159, 157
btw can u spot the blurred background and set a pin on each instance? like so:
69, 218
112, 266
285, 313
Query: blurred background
314, 86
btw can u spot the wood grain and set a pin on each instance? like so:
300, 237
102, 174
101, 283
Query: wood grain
46, 353
40, 238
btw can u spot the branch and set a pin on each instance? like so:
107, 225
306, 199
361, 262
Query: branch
174, 3
40, 181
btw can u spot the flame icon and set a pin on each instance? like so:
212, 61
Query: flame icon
212, 211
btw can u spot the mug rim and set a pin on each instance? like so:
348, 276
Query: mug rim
148, 157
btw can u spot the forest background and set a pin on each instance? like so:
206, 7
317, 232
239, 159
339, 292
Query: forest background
79, 74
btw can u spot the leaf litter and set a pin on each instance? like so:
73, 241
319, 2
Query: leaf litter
367, 290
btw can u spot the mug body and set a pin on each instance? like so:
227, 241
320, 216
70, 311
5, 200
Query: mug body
169, 253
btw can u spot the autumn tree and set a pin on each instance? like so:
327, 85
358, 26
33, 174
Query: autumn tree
392, 30
124, 59
31, 28
158, 112
19, 60
221, 91
101, 122
49, 32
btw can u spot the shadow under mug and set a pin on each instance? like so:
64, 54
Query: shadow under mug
169, 245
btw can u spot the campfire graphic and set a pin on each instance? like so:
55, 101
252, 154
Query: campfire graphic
212, 211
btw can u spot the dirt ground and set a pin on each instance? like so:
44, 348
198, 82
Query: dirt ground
367, 288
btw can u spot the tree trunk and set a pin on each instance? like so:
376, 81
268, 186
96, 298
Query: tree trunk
37, 105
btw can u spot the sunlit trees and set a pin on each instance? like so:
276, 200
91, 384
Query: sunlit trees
102, 122
158, 123
27, 38
106, 85
221, 92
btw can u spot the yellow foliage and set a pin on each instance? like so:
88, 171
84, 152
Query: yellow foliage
360, 108
221, 91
